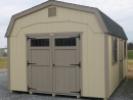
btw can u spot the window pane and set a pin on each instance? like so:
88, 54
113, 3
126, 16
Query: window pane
125, 51
65, 42
114, 50
39, 42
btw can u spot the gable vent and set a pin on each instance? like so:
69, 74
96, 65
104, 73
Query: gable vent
51, 11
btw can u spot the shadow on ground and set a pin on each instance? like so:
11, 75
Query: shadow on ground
124, 92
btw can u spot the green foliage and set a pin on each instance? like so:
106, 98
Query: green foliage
130, 54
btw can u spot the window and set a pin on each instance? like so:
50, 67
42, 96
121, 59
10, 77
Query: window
51, 11
114, 50
39, 42
65, 42
125, 49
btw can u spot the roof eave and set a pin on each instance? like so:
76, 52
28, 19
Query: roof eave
25, 12
46, 4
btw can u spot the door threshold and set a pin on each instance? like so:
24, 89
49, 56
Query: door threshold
65, 94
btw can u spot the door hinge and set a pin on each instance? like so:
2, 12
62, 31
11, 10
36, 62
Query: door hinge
28, 63
79, 64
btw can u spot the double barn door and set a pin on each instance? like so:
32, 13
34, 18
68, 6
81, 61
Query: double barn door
54, 63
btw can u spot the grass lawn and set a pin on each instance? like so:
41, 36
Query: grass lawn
130, 63
130, 54
3, 62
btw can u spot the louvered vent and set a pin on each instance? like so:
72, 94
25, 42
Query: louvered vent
51, 11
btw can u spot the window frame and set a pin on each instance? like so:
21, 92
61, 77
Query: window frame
65, 43
125, 49
114, 50
37, 42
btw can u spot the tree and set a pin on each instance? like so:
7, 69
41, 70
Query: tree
130, 46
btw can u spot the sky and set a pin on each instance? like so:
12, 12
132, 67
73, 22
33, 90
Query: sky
119, 10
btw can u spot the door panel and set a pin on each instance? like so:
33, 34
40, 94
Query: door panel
66, 65
66, 79
65, 57
41, 78
40, 65
41, 57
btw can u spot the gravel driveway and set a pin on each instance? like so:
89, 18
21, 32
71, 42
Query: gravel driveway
124, 92
6, 95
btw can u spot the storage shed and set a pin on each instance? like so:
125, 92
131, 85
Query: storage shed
64, 48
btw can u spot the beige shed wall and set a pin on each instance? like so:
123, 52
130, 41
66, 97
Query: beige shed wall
67, 21
114, 71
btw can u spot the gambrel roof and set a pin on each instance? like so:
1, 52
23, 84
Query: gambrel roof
107, 24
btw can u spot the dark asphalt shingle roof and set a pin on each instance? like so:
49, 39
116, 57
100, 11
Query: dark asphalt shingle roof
113, 28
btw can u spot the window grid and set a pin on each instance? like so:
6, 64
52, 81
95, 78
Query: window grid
65, 42
39, 42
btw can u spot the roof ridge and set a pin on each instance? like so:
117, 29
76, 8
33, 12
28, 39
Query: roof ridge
76, 4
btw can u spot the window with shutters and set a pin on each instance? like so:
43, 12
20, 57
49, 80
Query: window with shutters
114, 50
